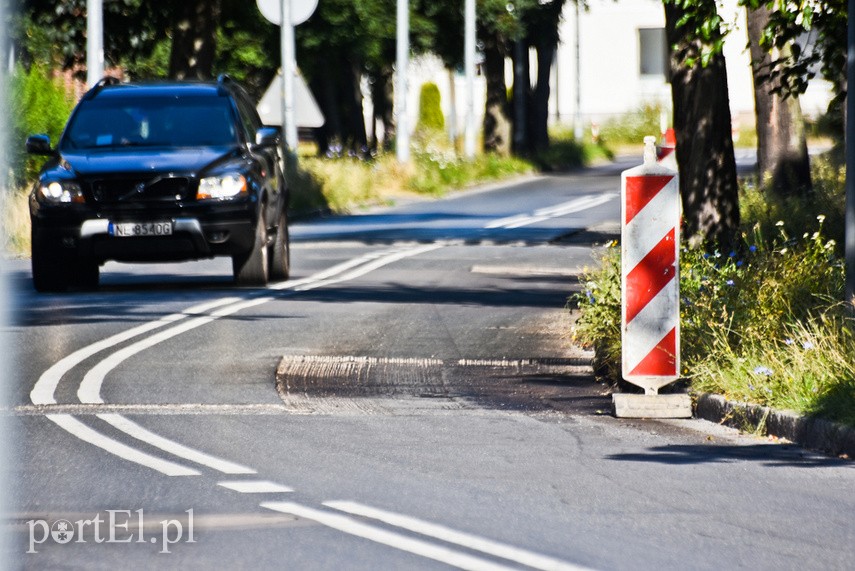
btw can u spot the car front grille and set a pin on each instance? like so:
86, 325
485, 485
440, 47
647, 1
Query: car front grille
158, 189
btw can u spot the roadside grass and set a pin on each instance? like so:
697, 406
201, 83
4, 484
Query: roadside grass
764, 324
344, 184
16, 222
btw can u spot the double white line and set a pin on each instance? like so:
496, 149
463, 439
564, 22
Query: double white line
89, 391
563, 209
437, 552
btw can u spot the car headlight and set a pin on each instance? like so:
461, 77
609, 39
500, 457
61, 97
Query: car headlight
222, 187
61, 192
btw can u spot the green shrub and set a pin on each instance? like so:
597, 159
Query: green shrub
631, 128
38, 104
430, 111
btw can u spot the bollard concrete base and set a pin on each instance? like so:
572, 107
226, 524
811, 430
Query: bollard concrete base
652, 406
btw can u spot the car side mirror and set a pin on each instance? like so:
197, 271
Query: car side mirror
268, 136
39, 145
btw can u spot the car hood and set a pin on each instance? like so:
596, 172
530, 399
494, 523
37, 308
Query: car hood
154, 161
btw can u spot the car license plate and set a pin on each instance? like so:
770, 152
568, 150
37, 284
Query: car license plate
140, 229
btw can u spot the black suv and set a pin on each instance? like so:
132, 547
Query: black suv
159, 172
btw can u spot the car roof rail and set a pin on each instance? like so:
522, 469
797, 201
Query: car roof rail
101, 84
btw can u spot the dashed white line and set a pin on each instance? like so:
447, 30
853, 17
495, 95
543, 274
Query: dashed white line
467, 540
378, 535
255, 487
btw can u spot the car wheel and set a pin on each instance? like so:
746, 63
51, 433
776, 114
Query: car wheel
252, 269
87, 274
51, 270
280, 251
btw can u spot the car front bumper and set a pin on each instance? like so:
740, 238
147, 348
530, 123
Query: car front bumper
88, 234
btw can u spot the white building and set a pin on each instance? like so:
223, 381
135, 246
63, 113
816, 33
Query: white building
622, 54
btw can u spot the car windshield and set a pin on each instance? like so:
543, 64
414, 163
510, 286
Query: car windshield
174, 121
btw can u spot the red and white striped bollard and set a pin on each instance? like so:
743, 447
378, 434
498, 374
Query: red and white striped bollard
650, 285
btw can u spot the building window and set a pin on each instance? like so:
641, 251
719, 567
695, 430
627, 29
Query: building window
653, 52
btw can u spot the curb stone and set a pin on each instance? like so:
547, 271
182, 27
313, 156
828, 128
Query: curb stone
810, 432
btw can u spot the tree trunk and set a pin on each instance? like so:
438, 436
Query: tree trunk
194, 39
782, 155
382, 96
324, 90
538, 127
497, 127
702, 122
356, 137
522, 94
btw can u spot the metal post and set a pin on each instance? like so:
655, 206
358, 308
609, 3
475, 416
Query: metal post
578, 132
94, 41
469, 59
288, 55
850, 160
402, 129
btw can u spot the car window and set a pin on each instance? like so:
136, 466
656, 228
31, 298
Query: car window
175, 121
249, 115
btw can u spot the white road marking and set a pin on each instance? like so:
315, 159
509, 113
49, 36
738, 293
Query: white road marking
44, 389
525, 271
563, 209
89, 391
378, 535
255, 487
135, 430
462, 539
83, 432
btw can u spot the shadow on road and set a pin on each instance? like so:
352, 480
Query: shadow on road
772, 455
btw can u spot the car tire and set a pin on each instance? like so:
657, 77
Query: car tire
51, 270
280, 251
87, 273
252, 268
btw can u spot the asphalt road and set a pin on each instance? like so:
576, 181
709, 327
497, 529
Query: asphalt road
410, 399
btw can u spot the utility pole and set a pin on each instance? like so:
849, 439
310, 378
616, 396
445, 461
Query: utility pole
288, 55
578, 132
402, 129
94, 41
850, 161
469, 59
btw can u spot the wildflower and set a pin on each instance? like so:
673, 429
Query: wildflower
807, 345
591, 298
789, 341
821, 218
732, 255
729, 282
752, 248
779, 223
739, 263
761, 370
